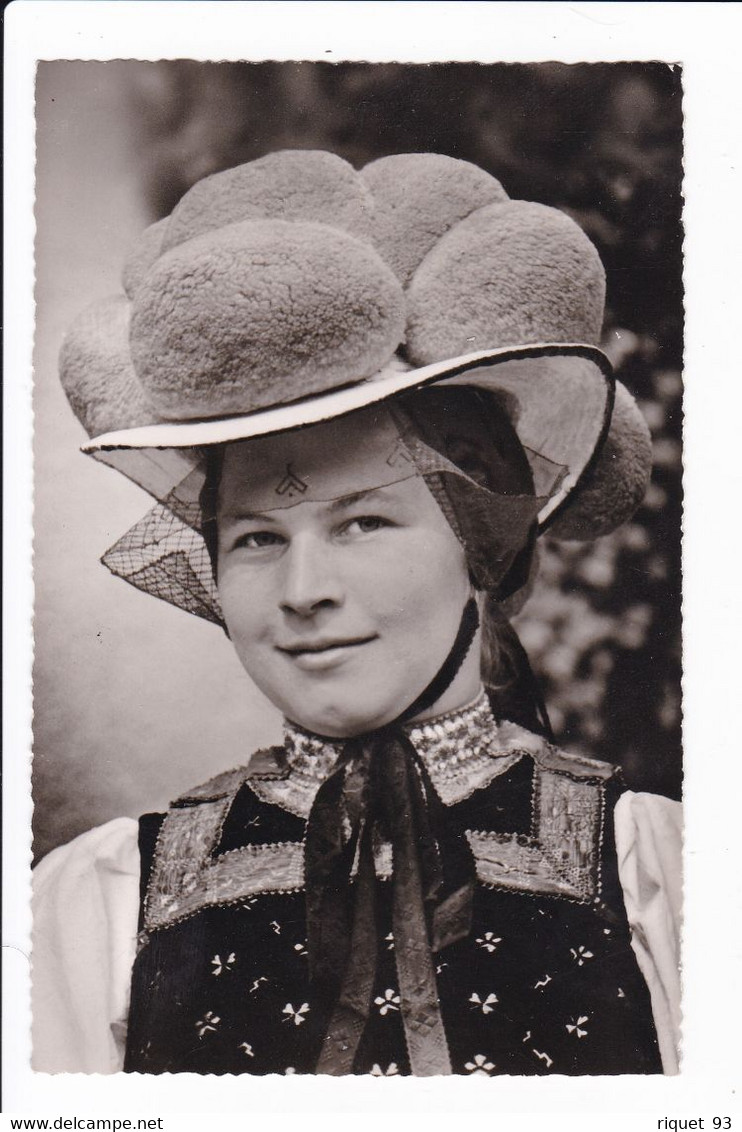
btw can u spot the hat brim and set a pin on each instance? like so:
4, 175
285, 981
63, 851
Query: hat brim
564, 395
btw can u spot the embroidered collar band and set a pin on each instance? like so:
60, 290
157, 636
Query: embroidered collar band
461, 750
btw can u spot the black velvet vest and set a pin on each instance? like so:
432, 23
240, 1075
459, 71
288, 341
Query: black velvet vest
546, 982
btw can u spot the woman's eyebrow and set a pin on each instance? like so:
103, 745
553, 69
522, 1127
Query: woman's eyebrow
354, 497
239, 516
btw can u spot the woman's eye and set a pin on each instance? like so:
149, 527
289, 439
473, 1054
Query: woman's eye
365, 525
257, 540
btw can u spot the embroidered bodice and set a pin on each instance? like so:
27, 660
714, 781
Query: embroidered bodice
221, 983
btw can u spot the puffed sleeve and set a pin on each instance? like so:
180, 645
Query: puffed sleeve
649, 848
85, 912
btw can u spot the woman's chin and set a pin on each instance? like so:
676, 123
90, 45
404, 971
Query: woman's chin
339, 703
337, 722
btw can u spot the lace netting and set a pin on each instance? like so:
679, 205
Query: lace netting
167, 558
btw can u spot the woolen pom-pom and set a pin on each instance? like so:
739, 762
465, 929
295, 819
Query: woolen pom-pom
223, 321
143, 254
509, 274
417, 198
97, 373
616, 485
292, 184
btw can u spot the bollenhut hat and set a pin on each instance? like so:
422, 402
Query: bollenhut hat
293, 290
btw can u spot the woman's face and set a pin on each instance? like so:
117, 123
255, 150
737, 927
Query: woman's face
341, 583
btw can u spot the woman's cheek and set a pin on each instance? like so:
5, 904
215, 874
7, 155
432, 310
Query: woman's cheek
244, 605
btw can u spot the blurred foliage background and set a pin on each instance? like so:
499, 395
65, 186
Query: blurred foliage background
601, 141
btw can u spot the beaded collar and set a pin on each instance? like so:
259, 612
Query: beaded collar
462, 750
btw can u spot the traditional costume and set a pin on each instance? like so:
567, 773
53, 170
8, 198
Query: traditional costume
422, 898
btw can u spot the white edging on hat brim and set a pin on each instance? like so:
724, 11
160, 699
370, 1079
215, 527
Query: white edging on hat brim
325, 406
566, 425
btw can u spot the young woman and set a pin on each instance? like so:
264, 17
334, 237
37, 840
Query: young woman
358, 398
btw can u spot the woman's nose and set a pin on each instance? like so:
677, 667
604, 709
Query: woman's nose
309, 582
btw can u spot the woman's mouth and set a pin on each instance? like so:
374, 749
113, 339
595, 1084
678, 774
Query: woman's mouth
317, 654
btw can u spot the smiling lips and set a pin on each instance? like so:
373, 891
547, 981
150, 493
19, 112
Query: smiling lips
311, 648
316, 656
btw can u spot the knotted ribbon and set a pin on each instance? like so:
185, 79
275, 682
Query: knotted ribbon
380, 783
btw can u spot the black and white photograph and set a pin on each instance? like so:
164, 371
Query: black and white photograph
358, 407
363, 365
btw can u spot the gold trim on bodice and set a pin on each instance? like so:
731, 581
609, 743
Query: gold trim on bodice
462, 751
